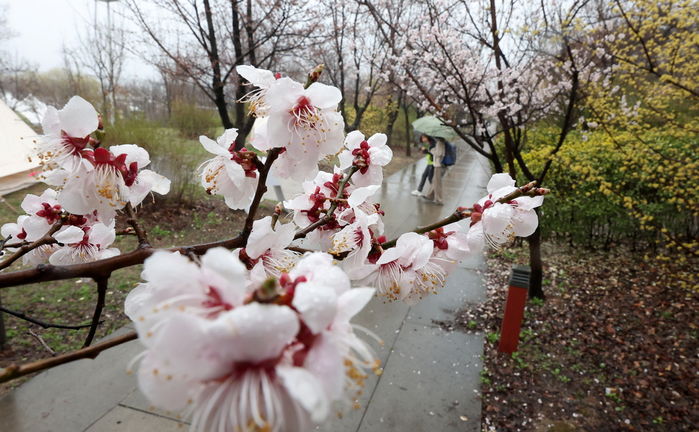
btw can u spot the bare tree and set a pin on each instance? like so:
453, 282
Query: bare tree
353, 57
102, 52
206, 39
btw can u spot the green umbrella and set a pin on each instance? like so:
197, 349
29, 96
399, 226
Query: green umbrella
433, 126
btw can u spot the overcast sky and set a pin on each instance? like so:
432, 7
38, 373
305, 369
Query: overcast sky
42, 27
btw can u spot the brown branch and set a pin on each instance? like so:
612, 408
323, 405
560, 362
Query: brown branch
23, 250
15, 371
104, 267
102, 284
140, 232
42, 342
13, 245
40, 323
329, 214
458, 215
528, 189
272, 155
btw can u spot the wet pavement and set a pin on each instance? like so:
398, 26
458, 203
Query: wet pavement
430, 379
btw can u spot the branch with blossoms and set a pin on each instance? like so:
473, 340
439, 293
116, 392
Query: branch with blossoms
253, 331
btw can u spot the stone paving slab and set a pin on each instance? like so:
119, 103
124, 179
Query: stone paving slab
71, 397
429, 383
121, 419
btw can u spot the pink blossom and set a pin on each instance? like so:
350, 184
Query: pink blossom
305, 123
84, 244
407, 271
117, 178
370, 155
232, 174
267, 246
66, 138
258, 358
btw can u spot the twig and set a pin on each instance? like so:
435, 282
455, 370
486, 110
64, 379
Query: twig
458, 215
103, 267
15, 371
528, 189
40, 323
42, 342
140, 233
333, 206
272, 155
46, 239
102, 284
14, 245
126, 231
4, 242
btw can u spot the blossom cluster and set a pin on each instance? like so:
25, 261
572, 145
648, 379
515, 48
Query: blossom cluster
236, 349
93, 184
259, 337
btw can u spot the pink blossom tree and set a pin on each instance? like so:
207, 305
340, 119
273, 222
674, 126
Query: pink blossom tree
491, 72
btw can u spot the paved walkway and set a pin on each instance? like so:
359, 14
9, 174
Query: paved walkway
430, 380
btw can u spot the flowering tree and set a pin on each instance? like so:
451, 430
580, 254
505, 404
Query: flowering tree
214, 37
492, 72
251, 332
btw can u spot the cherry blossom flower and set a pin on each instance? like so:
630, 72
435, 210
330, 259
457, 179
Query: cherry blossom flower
370, 155
232, 372
250, 361
84, 244
15, 232
67, 132
267, 246
450, 243
232, 174
118, 178
175, 283
407, 271
498, 223
357, 239
305, 123
263, 80
43, 210
332, 351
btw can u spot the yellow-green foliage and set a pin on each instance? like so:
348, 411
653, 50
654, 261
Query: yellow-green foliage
635, 172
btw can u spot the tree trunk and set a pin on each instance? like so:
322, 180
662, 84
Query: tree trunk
408, 140
3, 336
535, 282
392, 116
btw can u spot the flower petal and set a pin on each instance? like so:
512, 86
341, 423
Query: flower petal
78, 117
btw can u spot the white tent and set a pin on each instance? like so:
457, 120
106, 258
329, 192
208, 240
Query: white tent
18, 160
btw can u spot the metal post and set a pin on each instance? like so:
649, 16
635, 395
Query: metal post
514, 309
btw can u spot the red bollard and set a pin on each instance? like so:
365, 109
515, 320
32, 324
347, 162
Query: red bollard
514, 309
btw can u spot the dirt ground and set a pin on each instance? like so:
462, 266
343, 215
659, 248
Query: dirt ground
613, 348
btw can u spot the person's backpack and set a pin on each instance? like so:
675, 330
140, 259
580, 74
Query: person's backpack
449, 158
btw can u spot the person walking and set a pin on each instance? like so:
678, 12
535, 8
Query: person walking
427, 143
434, 193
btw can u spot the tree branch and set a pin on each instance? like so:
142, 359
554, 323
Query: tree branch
328, 216
140, 232
23, 250
40, 323
102, 284
15, 371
